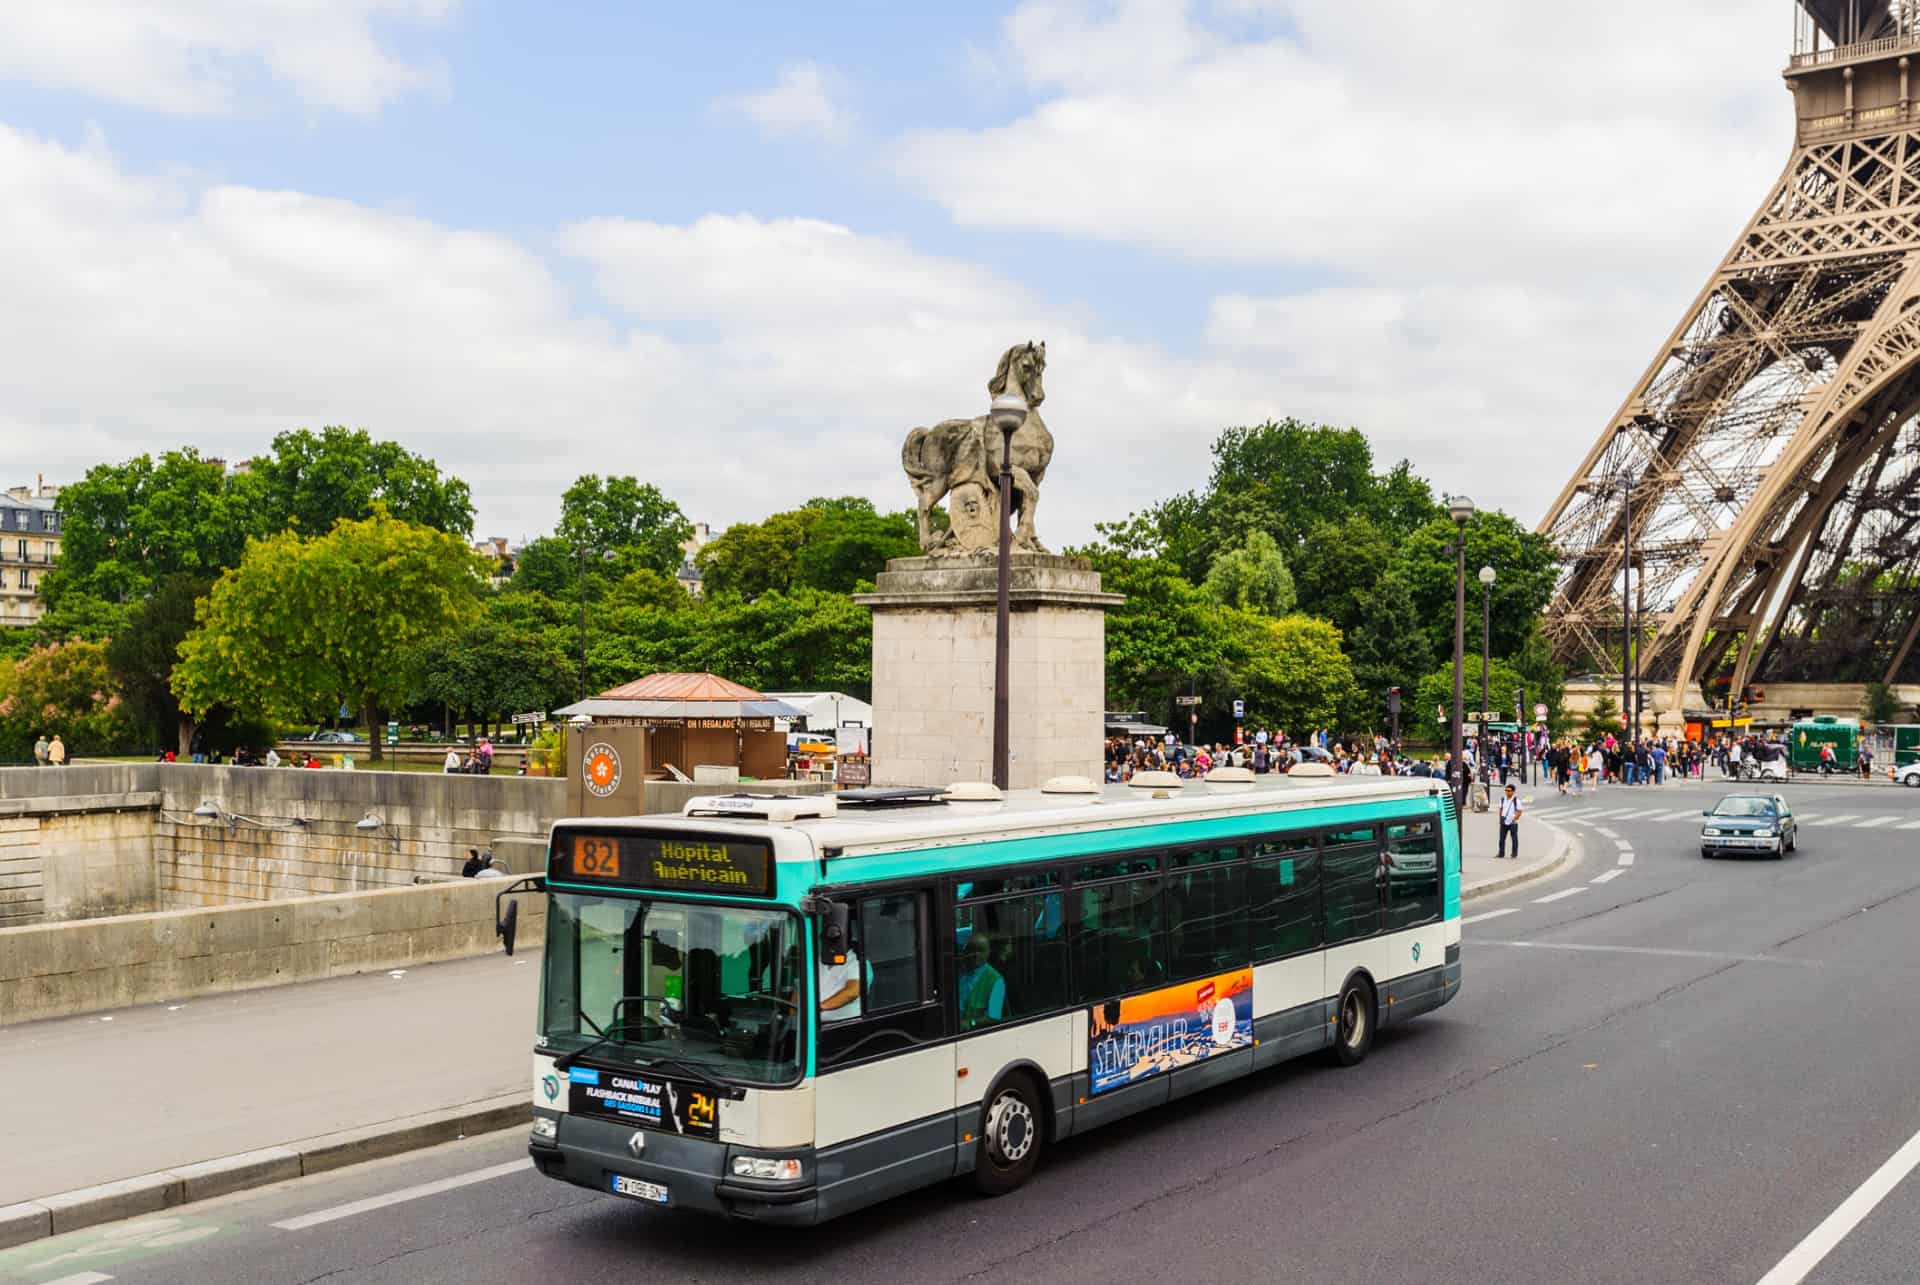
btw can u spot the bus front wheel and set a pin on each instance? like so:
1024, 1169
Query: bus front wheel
1010, 1137
1354, 1021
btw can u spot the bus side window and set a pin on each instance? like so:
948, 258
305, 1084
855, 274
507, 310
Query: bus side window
889, 949
1012, 959
1413, 875
1284, 897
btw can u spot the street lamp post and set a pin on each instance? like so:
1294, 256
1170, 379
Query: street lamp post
581, 553
1486, 652
1460, 509
1008, 413
1627, 649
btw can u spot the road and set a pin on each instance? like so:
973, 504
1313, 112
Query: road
1660, 1069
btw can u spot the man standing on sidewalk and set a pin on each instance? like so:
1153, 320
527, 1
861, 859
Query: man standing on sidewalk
1510, 814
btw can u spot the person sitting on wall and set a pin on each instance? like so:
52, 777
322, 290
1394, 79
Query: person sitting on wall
473, 865
453, 761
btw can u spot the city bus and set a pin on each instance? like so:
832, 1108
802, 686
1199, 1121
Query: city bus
783, 1009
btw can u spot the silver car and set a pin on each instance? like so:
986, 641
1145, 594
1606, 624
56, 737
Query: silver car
1745, 824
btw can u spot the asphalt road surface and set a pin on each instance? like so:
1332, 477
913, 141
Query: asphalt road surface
1660, 1069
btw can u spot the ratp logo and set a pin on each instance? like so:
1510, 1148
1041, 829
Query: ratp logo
1416, 952
601, 768
550, 1085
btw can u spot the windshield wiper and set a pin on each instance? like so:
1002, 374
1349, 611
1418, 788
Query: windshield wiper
694, 1071
613, 1034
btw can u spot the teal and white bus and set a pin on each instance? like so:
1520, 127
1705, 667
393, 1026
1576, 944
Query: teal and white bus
783, 1009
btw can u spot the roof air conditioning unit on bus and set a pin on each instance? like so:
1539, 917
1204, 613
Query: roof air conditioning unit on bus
763, 807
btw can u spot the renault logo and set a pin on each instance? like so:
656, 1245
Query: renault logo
637, 1144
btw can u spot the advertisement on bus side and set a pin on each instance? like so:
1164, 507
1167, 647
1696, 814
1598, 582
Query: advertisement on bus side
1175, 1026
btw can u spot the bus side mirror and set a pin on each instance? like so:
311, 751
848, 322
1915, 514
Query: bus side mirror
508, 925
834, 932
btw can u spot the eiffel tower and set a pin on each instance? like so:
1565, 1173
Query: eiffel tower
1762, 480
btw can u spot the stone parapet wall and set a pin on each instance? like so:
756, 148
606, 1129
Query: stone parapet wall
57, 970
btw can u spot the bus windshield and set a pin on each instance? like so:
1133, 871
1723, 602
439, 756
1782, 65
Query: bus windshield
713, 986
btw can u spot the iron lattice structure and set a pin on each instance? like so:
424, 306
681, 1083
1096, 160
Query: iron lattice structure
1770, 455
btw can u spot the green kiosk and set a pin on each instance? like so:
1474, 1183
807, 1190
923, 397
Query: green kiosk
1805, 738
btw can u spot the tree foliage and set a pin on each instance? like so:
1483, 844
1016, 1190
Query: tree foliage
497, 667
309, 481
126, 526
832, 545
1436, 694
303, 625
63, 688
1881, 705
1252, 577
1522, 560
1291, 671
633, 519
142, 655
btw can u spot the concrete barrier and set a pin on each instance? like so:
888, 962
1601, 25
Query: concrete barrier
58, 970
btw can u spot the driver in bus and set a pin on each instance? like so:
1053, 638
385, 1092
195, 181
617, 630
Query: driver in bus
840, 989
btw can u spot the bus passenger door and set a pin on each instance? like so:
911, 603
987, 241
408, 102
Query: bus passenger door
883, 1094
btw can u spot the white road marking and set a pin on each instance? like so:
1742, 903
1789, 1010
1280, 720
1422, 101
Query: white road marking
1623, 845
1844, 816
405, 1194
1911, 825
1614, 873
1488, 914
1611, 834
1626, 858
82, 1278
1679, 816
1556, 896
1804, 817
1835, 1227
1871, 822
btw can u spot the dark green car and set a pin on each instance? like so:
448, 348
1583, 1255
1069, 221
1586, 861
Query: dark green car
1749, 824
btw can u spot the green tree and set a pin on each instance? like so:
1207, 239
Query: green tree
494, 668
81, 615
142, 655
1336, 569
834, 545
547, 566
1882, 704
1545, 681
1436, 694
1167, 636
1603, 719
309, 481
64, 688
1388, 648
305, 624
1523, 561
1252, 577
632, 518
125, 526
1291, 671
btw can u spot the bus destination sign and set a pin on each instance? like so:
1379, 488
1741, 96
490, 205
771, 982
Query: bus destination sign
681, 863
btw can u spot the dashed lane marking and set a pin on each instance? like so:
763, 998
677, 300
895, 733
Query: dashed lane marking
1557, 896
1614, 873
1846, 816
1626, 858
405, 1194
1611, 834
1836, 1226
1871, 822
1911, 825
1488, 914
1623, 845
82, 1278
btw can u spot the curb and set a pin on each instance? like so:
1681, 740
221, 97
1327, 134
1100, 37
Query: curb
1565, 846
149, 1193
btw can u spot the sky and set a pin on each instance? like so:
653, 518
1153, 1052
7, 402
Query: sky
738, 250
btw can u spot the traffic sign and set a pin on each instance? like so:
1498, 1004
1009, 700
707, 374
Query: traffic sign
1186, 700
1539, 711
1239, 709
522, 720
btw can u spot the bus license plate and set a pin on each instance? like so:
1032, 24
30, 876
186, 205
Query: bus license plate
639, 1189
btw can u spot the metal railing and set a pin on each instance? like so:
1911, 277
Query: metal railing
1859, 49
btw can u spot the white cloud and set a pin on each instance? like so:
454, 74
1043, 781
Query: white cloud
210, 57
1513, 203
805, 100
753, 363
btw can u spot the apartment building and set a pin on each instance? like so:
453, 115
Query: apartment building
29, 545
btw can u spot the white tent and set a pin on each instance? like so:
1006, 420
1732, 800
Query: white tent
826, 711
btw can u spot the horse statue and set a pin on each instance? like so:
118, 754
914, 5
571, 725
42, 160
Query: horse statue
961, 457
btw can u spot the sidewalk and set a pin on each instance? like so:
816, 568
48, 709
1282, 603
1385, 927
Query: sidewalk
1545, 848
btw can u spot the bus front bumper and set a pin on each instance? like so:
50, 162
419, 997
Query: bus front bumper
696, 1173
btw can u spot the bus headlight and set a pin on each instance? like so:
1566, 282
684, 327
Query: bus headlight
545, 1128
765, 1167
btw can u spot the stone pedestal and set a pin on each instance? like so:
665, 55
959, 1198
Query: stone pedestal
933, 638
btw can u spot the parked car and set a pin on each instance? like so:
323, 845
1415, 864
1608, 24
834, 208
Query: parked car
1908, 775
1749, 823
334, 736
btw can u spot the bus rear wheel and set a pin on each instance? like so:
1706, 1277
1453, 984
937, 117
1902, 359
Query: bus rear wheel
1011, 1127
1354, 1022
